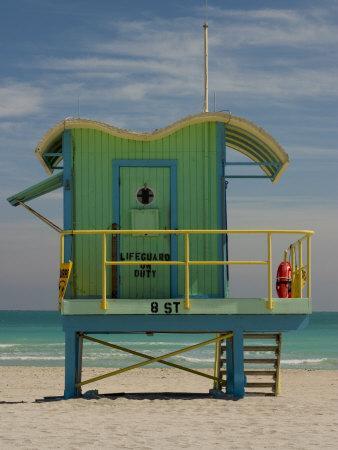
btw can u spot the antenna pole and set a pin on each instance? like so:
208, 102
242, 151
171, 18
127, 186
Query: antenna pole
206, 74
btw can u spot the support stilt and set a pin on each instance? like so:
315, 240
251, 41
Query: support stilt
235, 383
229, 367
73, 363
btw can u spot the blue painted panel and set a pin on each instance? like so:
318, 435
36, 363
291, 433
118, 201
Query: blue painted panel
184, 323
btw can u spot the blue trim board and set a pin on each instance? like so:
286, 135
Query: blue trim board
172, 164
226, 223
252, 163
220, 144
198, 323
248, 176
67, 152
274, 165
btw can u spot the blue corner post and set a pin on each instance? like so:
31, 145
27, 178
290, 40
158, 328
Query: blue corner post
73, 363
235, 382
67, 153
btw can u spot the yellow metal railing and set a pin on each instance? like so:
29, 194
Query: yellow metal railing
291, 253
301, 273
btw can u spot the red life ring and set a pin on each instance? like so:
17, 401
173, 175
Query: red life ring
284, 279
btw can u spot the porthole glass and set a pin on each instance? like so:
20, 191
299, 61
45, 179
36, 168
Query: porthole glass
145, 195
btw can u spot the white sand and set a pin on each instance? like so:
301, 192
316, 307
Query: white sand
305, 416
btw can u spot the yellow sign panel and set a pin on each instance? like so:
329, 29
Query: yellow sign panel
65, 270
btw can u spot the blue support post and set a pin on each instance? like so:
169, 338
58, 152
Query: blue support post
73, 363
229, 367
235, 365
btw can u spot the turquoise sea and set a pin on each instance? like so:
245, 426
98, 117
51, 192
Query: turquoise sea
35, 338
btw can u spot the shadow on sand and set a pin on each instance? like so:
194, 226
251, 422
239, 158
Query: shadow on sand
94, 395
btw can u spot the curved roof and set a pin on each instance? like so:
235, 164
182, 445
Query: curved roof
241, 135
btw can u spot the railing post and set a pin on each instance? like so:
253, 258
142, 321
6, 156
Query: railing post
300, 262
62, 248
104, 274
294, 269
293, 257
270, 301
187, 271
309, 267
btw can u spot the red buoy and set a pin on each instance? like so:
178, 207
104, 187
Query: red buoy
283, 281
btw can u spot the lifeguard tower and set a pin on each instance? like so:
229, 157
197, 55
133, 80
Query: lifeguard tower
144, 246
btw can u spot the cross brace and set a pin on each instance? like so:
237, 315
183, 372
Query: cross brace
151, 359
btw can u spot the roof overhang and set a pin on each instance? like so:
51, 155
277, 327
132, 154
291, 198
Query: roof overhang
241, 135
44, 187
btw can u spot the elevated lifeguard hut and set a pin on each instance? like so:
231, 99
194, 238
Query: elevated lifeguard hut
144, 245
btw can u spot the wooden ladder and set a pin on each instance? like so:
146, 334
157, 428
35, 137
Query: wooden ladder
261, 363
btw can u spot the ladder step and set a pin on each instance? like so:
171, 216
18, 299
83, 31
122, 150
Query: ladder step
260, 372
254, 372
259, 361
261, 336
256, 384
264, 367
254, 361
260, 348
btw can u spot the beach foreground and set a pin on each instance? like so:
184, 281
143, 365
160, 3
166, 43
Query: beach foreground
304, 416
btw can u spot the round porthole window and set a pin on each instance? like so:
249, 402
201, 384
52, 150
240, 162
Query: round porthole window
145, 195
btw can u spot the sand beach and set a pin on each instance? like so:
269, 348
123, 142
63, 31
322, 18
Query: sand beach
304, 416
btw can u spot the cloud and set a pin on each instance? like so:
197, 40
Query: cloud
227, 76
327, 154
19, 99
271, 27
290, 83
159, 57
287, 15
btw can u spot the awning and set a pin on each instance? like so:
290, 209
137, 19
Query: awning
44, 187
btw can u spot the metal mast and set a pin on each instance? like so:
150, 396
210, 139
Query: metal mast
206, 75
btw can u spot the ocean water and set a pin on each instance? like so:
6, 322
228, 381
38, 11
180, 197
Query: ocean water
36, 338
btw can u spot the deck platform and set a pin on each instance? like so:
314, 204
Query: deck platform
176, 307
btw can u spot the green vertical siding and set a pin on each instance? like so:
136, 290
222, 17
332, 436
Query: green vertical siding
194, 149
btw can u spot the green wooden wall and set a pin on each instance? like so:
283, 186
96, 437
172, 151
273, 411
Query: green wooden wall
195, 150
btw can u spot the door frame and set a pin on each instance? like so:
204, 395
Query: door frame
151, 163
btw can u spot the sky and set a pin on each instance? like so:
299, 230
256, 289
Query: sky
139, 65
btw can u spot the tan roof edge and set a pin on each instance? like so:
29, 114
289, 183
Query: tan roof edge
229, 120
